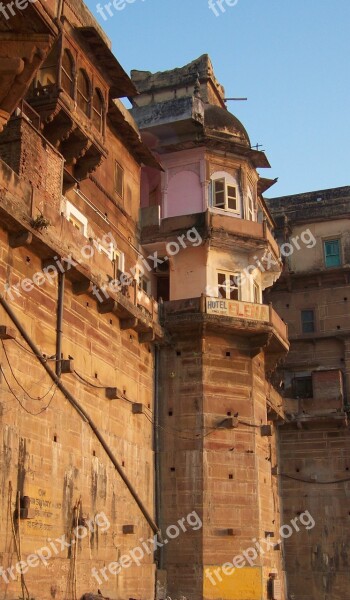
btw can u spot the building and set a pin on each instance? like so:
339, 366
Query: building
312, 296
70, 172
205, 217
141, 372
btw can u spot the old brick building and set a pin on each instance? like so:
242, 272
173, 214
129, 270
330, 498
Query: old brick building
70, 168
313, 296
137, 357
215, 447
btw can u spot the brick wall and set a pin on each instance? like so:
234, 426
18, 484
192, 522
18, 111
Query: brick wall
225, 474
317, 560
55, 457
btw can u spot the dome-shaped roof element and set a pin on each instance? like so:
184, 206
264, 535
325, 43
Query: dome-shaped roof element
221, 120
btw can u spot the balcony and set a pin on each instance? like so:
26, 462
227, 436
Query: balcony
325, 398
224, 231
258, 322
21, 57
133, 307
68, 129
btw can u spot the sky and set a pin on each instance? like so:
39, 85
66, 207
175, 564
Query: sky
291, 59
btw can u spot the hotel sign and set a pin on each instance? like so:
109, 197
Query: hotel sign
241, 310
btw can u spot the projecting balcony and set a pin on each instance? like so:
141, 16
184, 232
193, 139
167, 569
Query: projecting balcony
224, 230
92, 276
258, 322
68, 129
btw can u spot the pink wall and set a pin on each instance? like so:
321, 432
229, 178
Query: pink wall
184, 195
150, 187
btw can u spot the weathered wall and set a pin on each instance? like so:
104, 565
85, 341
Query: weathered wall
314, 446
53, 457
317, 561
223, 474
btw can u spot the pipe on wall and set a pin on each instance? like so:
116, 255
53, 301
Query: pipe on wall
59, 326
158, 506
82, 413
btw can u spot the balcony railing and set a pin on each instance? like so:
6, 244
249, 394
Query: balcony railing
257, 315
262, 313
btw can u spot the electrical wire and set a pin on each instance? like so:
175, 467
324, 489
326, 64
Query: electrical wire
149, 417
176, 432
98, 387
315, 482
249, 424
172, 430
19, 401
18, 382
32, 353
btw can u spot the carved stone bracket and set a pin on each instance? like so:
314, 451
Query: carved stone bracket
20, 58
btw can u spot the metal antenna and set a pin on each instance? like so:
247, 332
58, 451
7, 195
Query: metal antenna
235, 99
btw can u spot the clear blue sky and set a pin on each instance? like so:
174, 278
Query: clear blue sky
291, 59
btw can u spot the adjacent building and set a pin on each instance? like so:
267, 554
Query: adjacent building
70, 171
313, 296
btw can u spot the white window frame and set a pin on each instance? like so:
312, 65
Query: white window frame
71, 211
227, 184
251, 211
228, 287
107, 250
119, 260
256, 291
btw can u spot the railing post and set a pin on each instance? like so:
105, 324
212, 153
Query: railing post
135, 291
265, 229
203, 303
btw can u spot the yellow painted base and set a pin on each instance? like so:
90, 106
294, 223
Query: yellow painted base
242, 584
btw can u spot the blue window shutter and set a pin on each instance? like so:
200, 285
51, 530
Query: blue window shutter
332, 253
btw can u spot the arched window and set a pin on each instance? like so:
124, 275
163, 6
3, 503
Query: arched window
225, 192
97, 110
83, 95
67, 73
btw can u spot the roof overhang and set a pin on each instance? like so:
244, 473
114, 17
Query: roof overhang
265, 184
122, 122
120, 83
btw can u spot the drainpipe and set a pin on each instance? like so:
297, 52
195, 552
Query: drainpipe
158, 507
82, 413
59, 326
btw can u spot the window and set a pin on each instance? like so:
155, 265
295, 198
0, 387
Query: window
47, 74
307, 321
76, 218
119, 179
97, 110
302, 387
227, 286
256, 293
67, 73
107, 250
145, 285
225, 195
250, 206
83, 96
119, 262
332, 253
